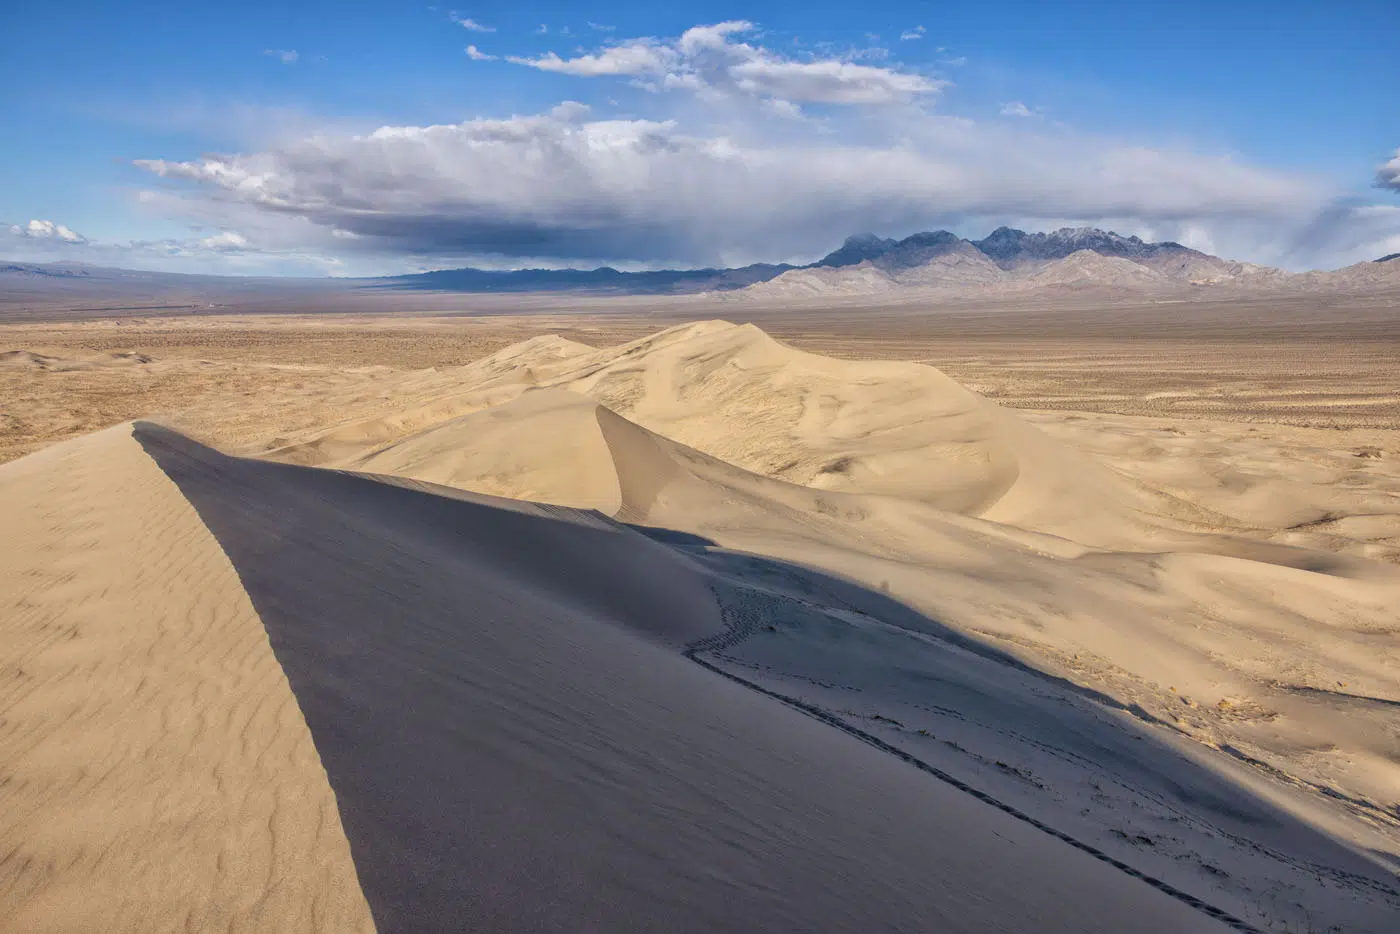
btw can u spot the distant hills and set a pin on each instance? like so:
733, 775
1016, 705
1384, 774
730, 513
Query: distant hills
1013, 262
604, 279
926, 259
1005, 262
1009, 260
1007, 247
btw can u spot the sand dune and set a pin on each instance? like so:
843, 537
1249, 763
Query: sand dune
957, 669
1168, 600
545, 446
734, 393
513, 741
158, 774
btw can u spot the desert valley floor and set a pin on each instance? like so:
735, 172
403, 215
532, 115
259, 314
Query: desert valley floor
691, 616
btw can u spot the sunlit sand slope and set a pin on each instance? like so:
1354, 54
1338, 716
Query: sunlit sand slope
889, 429
155, 770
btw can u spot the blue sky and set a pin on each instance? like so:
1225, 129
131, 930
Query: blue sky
247, 138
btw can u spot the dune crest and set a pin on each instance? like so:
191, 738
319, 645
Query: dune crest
157, 770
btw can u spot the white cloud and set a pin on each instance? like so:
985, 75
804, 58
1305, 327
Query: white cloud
633, 58
226, 251
708, 59
1388, 175
783, 108
470, 24
778, 157
715, 37
285, 56
573, 188
477, 55
600, 27
225, 240
47, 230
828, 82
916, 33
875, 53
958, 62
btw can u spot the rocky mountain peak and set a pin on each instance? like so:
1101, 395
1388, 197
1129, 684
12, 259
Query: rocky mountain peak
919, 248
1009, 247
857, 249
914, 250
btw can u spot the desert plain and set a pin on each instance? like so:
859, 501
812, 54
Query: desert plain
431, 612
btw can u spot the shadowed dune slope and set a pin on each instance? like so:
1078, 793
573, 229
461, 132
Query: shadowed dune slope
513, 739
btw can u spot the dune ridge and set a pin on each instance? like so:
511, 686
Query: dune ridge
732, 392
157, 772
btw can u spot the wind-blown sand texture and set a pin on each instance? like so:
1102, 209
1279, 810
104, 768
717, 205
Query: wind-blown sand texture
158, 775
696, 632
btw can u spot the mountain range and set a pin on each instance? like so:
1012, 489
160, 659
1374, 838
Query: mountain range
868, 263
604, 278
1006, 261
1011, 260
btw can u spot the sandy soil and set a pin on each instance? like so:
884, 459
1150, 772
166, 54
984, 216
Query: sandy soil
63, 380
727, 635
499, 697
158, 773
1286, 365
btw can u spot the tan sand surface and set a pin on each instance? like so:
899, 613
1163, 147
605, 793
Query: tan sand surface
1311, 363
1166, 641
157, 772
495, 693
1204, 605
